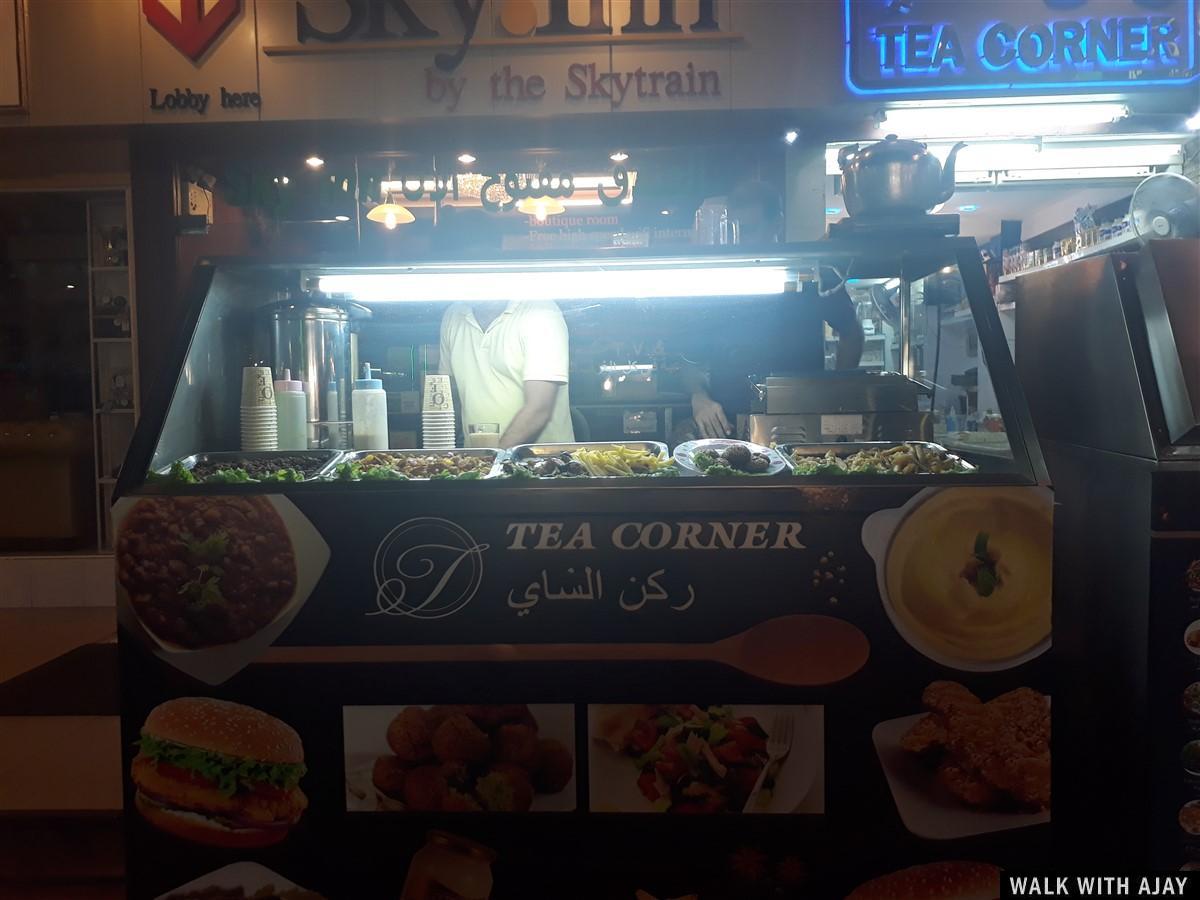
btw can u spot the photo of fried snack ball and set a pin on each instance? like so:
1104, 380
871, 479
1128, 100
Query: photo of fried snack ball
459, 801
440, 713
553, 766
410, 735
424, 789
489, 716
505, 788
460, 739
515, 743
389, 775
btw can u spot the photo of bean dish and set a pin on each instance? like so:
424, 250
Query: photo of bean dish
203, 571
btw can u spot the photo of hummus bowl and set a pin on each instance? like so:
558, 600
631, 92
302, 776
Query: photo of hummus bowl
965, 574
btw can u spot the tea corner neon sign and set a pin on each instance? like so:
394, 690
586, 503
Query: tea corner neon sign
926, 46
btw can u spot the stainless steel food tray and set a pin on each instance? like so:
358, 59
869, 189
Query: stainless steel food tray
498, 454
533, 451
230, 459
525, 451
849, 448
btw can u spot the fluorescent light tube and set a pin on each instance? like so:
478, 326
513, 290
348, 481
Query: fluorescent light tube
573, 284
1000, 121
1066, 174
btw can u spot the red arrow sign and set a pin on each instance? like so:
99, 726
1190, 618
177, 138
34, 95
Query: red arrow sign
194, 31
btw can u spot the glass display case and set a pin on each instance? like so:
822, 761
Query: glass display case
635, 348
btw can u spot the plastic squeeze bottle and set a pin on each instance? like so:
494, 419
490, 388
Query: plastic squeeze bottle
369, 412
291, 405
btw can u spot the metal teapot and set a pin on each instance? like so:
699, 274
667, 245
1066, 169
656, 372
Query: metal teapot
895, 178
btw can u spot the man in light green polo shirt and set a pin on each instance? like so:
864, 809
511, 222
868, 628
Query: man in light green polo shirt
510, 363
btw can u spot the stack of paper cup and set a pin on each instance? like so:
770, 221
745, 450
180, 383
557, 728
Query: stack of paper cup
437, 414
260, 423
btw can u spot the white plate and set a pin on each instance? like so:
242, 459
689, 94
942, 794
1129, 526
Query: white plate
799, 786
247, 875
928, 809
364, 730
685, 451
214, 665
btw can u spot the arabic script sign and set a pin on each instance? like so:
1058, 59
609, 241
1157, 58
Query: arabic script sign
925, 46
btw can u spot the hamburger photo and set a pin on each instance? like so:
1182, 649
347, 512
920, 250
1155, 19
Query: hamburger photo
219, 773
956, 880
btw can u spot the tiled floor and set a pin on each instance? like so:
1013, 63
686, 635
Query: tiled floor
30, 637
66, 891
57, 580
60, 782
45, 768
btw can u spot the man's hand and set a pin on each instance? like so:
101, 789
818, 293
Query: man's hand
709, 416
533, 416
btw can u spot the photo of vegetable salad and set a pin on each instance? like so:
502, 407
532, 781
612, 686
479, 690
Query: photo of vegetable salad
689, 759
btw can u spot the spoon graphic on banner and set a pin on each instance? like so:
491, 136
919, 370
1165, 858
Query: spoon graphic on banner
798, 651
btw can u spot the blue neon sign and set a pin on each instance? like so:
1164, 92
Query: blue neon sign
927, 46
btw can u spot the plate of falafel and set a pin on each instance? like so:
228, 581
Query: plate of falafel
726, 456
509, 757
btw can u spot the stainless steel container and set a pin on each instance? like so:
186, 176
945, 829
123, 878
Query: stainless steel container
532, 451
834, 392
324, 460
895, 178
496, 455
849, 406
311, 335
791, 452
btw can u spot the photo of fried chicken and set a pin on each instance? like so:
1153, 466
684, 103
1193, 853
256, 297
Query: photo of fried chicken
993, 755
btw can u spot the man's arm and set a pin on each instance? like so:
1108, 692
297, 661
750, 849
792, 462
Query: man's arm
839, 313
546, 345
533, 415
708, 414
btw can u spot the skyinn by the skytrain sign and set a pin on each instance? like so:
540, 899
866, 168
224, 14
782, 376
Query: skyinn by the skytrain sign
451, 28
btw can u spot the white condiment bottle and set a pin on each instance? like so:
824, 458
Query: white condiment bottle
332, 414
291, 406
368, 409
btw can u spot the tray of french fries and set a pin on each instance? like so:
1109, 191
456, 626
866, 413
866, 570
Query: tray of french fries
593, 459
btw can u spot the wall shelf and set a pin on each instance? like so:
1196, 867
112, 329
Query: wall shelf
1120, 242
114, 359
